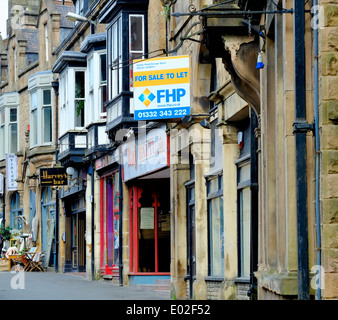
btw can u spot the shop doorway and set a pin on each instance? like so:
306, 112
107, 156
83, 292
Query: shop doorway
48, 225
78, 242
150, 225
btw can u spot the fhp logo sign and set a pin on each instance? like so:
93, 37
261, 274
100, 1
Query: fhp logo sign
161, 88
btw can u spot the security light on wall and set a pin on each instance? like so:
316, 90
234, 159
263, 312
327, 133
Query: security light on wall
70, 173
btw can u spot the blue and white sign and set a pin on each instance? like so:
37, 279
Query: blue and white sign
161, 88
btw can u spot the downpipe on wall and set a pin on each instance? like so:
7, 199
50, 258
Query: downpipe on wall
300, 129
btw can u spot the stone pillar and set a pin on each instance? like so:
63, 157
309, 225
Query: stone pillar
230, 155
179, 174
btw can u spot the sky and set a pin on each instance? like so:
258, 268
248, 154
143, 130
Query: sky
3, 17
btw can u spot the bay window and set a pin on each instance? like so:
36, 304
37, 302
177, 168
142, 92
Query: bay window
103, 83
13, 130
47, 116
41, 114
121, 53
9, 124
72, 103
115, 59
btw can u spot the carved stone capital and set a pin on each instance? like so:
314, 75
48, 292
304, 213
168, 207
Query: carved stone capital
229, 133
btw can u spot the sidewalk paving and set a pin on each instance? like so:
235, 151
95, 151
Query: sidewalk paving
67, 286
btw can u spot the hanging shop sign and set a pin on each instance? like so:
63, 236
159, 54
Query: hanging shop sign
145, 153
161, 88
11, 172
53, 177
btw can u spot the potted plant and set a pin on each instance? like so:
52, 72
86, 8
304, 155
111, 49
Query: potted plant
6, 232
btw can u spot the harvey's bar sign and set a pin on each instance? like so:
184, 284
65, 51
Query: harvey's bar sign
53, 177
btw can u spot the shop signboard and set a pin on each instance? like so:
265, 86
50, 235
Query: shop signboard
145, 153
53, 177
11, 172
161, 88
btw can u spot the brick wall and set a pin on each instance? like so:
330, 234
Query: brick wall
328, 106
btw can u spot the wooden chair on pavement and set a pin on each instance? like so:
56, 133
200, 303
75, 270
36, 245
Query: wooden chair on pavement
37, 262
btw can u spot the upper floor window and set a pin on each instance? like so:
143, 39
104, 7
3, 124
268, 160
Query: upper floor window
9, 135
115, 59
72, 99
103, 82
79, 7
136, 40
41, 118
97, 87
79, 98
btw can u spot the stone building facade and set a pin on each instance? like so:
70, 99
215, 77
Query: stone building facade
239, 223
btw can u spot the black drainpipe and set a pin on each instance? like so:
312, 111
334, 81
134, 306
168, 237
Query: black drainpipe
300, 129
55, 86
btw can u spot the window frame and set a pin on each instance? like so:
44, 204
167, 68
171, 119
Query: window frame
241, 186
114, 77
82, 114
67, 98
37, 128
215, 195
8, 102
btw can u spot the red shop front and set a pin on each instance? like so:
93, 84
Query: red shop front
149, 207
110, 215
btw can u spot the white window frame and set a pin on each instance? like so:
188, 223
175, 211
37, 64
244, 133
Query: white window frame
38, 140
115, 60
37, 84
102, 85
8, 101
67, 99
94, 88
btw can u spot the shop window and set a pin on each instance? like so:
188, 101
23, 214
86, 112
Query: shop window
244, 194
150, 225
16, 212
215, 226
191, 227
47, 215
110, 221
244, 218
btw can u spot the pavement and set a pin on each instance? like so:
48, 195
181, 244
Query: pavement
50, 285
